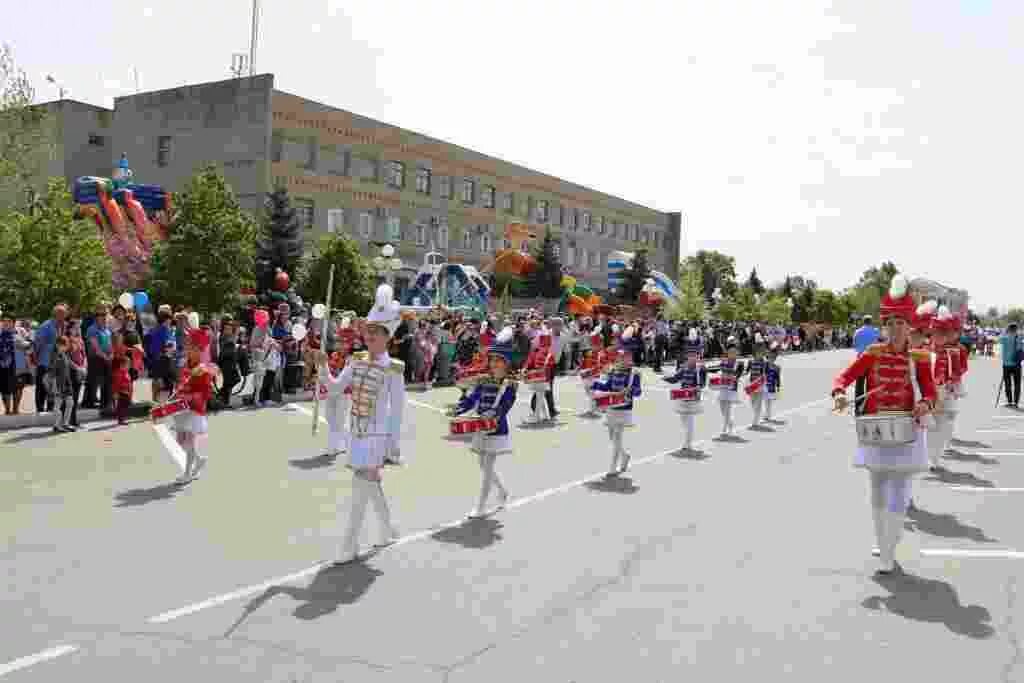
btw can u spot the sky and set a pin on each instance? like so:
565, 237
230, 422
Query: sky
803, 137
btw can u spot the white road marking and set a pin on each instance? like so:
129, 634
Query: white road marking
519, 502
954, 552
1008, 417
980, 452
999, 431
37, 658
985, 489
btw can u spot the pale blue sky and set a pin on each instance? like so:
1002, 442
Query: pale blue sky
804, 137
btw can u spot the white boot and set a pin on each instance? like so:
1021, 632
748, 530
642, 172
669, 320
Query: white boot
389, 532
361, 492
878, 517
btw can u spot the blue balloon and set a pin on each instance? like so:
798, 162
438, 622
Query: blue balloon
141, 299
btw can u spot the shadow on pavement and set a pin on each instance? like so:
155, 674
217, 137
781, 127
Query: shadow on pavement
730, 439
473, 533
134, 497
953, 454
314, 462
332, 587
931, 601
616, 484
946, 526
970, 444
959, 479
690, 454
760, 428
32, 436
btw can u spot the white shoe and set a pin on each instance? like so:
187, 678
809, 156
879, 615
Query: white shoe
390, 539
502, 501
625, 462
345, 558
477, 513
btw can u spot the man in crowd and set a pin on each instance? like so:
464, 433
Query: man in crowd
1012, 354
866, 335
42, 347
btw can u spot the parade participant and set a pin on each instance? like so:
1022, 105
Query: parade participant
378, 401
731, 370
756, 379
946, 355
692, 375
900, 392
622, 379
541, 361
492, 398
959, 357
773, 380
591, 368
337, 404
195, 385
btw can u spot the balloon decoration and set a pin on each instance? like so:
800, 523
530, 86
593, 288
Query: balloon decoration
319, 311
141, 300
578, 299
299, 331
282, 281
126, 300
650, 295
261, 318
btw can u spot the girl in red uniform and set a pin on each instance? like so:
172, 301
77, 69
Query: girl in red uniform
195, 385
900, 385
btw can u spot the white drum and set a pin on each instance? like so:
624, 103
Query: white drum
886, 430
950, 401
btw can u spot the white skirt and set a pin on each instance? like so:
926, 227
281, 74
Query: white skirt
729, 396
689, 407
485, 444
771, 395
910, 459
187, 421
618, 418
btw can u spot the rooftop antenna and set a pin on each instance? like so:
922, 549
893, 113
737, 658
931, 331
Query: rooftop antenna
238, 62
136, 71
255, 36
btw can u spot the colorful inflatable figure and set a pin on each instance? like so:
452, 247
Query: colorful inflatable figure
131, 218
577, 299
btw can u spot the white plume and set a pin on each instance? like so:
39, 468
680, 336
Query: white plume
928, 308
385, 295
346, 322
616, 328
944, 312
505, 336
758, 339
899, 285
693, 334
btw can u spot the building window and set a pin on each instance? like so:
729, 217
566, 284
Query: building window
485, 243
557, 249
467, 240
442, 236
395, 171
570, 256
304, 212
506, 244
335, 220
163, 150
97, 140
524, 247
559, 215
542, 211
365, 225
446, 187
394, 228
600, 225
508, 201
573, 217
586, 221
468, 191
488, 192
423, 180
657, 240
421, 235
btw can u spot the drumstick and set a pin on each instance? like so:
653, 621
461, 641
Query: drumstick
864, 397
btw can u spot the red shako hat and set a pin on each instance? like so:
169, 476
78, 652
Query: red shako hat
897, 302
924, 316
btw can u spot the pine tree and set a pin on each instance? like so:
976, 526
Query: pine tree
353, 278
546, 280
754, 283
634, 277
280, 242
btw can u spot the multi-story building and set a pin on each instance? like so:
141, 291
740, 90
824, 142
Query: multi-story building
375, 182
81, 140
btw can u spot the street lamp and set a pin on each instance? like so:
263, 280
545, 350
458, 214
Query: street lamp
60, 88
386, 264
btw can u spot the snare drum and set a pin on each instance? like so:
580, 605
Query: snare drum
606, 401
755, 386
685, 394
718, 383
538, 376
471, 425
893, 430
168, 409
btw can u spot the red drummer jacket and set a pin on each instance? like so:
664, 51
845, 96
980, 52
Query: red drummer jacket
889, 371
196, 384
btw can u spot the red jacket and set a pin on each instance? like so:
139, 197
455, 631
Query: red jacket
120, 375
889, 370
196, 384
961, 369
946, 363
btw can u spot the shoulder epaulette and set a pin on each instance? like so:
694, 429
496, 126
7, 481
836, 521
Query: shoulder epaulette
921, 354
397, 366
361, 355
875, 349
511, 383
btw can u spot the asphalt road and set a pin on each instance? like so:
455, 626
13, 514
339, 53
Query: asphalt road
751, 562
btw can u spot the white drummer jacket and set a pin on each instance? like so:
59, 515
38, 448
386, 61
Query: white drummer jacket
377, 405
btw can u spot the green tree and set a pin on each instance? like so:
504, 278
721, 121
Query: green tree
546, 280
635, 277
691, 303
717, 271
727, 310
353, 276
210, 253
280, 241
754, 283
775, 311
1015, 315
879, 278
747, 307
27, 134
48, 257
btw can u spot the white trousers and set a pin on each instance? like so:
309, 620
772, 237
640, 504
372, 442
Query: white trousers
939, 438
727, 423
890, 496
618, 452
689, 423
336, 412
757, 402
489, 478
365, 490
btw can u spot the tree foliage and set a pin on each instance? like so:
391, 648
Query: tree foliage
546, 280
691, 303
775, 311
754, 283
210, 253
727, 310
635, 277
26, 134
280, 240
717, 271
353, 276
48, 257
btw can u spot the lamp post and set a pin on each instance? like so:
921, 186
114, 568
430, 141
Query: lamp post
60, 88
387, 263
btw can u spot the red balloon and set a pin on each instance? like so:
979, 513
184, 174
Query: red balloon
281, 281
